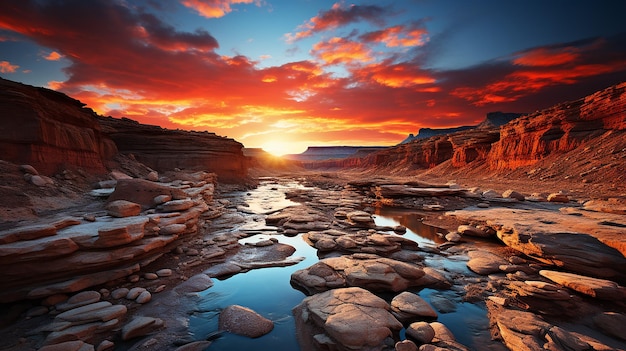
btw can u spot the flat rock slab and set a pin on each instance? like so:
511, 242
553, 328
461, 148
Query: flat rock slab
600, 288
141, 326
352, 317
393, 191
586, 242
521, 330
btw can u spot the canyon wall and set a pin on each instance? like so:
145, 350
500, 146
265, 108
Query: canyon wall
521, 142
559, 129
167, 149
50, 130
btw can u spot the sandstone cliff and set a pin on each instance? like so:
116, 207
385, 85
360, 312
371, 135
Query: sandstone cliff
50, 130
559, 129
166, 149
521, 142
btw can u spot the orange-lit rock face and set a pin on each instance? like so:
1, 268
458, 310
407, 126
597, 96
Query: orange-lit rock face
561, 128
50, 131
166, 149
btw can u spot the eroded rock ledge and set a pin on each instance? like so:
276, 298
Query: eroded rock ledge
101, 247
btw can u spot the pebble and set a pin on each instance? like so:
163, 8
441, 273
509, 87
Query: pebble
150, 276
36, 311
166, 272
78, 300
134, 293
105, 292
133, 278
144, 297
89, 218
119, 293
105, 345
54, 299
159, 289
406, 345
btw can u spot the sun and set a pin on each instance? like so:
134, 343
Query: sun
280, 148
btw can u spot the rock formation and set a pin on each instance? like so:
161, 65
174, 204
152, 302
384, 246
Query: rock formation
50, 131
493, 119
559, 129
79, 253
521, 142
166, 149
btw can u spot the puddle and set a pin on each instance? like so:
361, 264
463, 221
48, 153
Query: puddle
416, 229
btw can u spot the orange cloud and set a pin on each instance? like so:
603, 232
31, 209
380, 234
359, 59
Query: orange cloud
341, 50
215, 8
402, 75
336, 17
53, 56
547, 57
525, 82
398, 36
7, 67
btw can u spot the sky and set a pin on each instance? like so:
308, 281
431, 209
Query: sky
286, 74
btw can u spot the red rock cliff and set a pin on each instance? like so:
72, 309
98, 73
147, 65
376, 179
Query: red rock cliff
166, 149
50, 130
559, 129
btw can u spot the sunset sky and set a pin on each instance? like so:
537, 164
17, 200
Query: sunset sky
286, 74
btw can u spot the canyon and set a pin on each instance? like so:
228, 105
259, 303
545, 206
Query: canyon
136, 224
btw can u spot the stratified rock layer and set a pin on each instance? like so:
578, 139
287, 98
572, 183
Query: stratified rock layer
165, 149
50, 131
560, 128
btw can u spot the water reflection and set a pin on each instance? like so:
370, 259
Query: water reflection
416, 229
267, 291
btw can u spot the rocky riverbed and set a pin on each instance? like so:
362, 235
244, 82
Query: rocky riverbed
132, 268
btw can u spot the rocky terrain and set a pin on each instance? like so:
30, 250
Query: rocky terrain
528, 225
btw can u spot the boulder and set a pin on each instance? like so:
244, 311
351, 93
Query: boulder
422, 332
484, 262
558, 197
353, 318
244, 321
512, 194
408, 306
144, 192
123, 208
369, 272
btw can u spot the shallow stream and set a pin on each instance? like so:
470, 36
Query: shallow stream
268, 290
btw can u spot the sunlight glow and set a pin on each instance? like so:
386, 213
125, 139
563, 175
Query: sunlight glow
281, 148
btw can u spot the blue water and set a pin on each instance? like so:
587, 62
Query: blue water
268, 291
